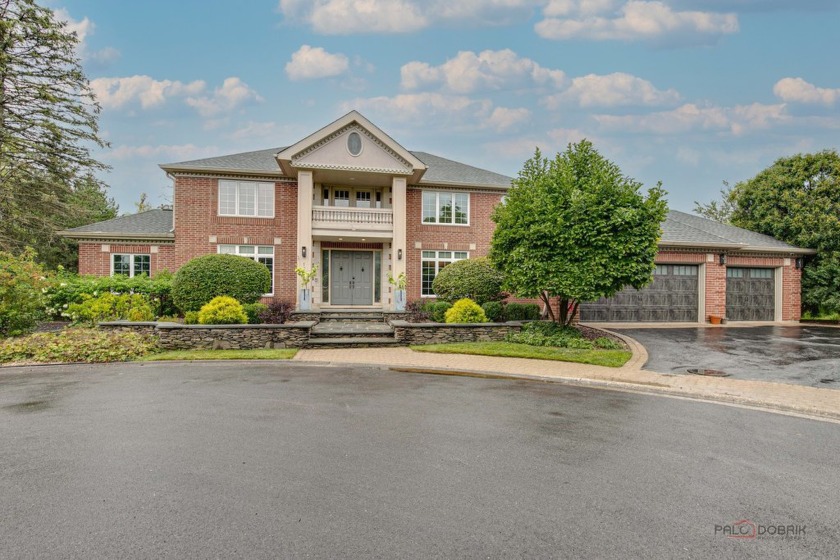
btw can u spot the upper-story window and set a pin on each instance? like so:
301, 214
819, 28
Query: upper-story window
246, 198
446, 208
131, 265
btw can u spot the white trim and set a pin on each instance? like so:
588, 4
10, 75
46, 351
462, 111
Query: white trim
701, 293
437, 261
437, 208
778, 296
131, 273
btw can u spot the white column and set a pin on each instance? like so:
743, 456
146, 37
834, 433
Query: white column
398, 194
304, 222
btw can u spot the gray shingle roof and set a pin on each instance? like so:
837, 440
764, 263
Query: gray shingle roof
441, 170
682, 229
157, 222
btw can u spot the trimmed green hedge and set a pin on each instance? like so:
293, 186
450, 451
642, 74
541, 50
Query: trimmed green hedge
204, 278
475, 279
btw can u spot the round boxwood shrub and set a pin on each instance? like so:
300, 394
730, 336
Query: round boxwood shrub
437, 310
222, 310
204, 278
495, 311
470, 278
466, 311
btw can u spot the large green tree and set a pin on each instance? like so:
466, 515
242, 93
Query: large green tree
574, 227
48, 126
797, 200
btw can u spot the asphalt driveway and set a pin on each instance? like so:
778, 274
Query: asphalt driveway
804, 355
268, 460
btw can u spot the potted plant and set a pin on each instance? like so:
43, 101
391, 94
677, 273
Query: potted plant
306, 279
399, 284
715, 319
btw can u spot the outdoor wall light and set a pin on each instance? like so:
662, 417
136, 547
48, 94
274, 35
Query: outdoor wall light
303, 252
722, 258
399, 254
798, 263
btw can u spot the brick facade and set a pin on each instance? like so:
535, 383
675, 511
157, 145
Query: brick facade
95, 257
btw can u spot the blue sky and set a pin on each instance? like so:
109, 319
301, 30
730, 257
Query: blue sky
688, 92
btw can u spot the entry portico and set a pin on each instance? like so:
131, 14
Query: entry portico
351, 209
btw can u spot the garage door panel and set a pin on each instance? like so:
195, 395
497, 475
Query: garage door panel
672, 297
750, 294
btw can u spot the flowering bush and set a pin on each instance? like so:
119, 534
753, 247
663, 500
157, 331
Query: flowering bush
222, 310
76, 345
65, 289
110, 307
465, 311
22, 282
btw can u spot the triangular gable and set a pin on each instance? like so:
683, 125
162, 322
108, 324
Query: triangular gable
328, 149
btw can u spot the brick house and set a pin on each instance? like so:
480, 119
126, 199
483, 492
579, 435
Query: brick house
354, 202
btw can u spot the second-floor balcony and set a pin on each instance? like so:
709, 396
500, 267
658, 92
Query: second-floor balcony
371, 222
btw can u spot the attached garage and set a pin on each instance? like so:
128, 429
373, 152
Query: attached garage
672, 297
750, 294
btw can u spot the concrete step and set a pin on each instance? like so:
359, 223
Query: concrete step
354, 342
350, 334
355, 317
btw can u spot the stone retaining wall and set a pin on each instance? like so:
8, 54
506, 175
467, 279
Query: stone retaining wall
438, 333
174, 336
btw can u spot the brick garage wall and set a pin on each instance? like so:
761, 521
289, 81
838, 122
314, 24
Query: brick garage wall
446, 238
196, 220
96, 261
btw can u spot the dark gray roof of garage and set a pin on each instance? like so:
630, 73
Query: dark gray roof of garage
151, 223
687, 229
440, 170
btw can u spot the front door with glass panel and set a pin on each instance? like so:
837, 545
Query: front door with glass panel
351, 278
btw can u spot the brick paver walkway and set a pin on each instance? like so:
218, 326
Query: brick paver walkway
810, 401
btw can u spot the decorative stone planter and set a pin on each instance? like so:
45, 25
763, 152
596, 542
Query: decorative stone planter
439, 333
305, 300
399, 300
175, 336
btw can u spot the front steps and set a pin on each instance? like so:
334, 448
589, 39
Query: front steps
351, 329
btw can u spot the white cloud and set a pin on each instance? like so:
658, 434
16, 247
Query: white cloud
503, 118
309, 63
488, 70
422, 107
232, 94
341, 17
178, 152
797, 90
689, 117
83, 29
632, 20
612, 90
252, 130
114, 93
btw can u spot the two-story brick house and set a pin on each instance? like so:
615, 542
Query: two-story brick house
351, 200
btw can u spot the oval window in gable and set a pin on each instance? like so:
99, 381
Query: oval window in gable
354, 143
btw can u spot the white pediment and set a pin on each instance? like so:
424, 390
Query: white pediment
334, 152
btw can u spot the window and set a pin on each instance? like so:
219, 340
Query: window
354, 143
446, 208
131, 265
246, 198
264, 255
765, 273
432, 263
734, 272
685, 271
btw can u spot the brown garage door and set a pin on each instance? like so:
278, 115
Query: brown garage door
672, 297
750, 294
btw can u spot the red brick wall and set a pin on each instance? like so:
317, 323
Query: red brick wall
446, 238
92, 260
196, 219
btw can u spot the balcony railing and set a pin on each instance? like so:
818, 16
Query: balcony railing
350, 216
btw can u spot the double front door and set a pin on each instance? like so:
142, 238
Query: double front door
351, 278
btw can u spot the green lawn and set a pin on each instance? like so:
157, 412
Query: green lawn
260, 354
609, 358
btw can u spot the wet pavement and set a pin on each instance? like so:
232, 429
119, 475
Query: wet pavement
283, 460
804, 355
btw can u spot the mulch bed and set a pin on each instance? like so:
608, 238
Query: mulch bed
591, 333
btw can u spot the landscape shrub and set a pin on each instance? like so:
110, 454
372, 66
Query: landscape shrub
77, 345
549, 333
416, 311
522, 312
110, 307
254, 311
495, 311
436, 310
66, 288
605, 343
191, 318
222, 310
22, 282
204, 278
465, 311
475, 279
277, 312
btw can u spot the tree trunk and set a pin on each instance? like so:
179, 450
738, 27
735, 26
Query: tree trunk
546, 299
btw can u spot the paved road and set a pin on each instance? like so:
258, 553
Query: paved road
227, 460
803, 355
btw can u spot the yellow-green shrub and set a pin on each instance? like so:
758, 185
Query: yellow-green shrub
110, 307
465, 311
222, 310
76, 345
